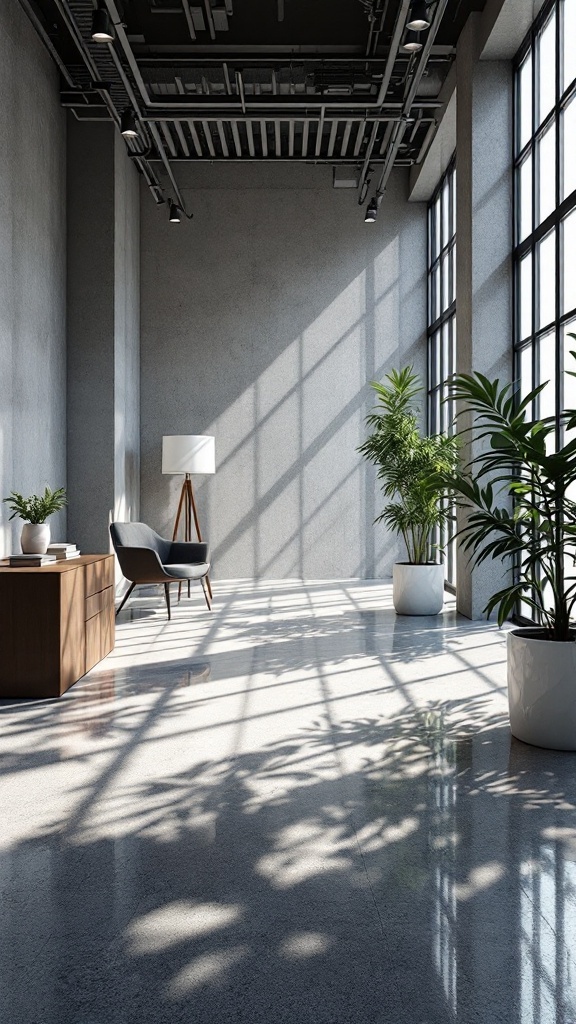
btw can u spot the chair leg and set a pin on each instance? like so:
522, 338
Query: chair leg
167, 596
125, 598
205, 589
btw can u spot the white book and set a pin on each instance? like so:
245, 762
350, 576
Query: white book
65, 556
54, 548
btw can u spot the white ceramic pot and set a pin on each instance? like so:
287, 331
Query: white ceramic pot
35, 538
417, 589
542, 690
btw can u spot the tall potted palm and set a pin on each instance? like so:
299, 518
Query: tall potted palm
518, 492
409, 465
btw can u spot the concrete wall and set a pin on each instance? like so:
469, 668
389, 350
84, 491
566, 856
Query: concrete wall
32, 271
263, 320
126, 336
103, 333
484, 264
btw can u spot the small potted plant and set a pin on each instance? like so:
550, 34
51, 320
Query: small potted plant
410, 465
518, 493
35, 510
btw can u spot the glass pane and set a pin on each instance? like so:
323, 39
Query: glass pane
437, 227
525, 198
435, 412
547, 397
436, 293
547, 274
569, 32
547, 174
445, 281
547, 69
453, 274
434, 360
454, 202
569, 145
525, 372
525, 303
569, 383
547, 372
569, 364
525, 102
445, 215
569, 262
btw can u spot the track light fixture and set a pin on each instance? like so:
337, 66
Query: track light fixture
419, 19
128, 126
102, 28
371, 211
412, 42
175, 213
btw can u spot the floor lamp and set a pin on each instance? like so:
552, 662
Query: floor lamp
188, 455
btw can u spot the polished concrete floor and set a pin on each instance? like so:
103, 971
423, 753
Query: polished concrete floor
298, 808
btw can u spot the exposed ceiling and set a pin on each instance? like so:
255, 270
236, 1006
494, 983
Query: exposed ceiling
320, 81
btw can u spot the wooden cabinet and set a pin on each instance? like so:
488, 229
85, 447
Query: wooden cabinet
56, 623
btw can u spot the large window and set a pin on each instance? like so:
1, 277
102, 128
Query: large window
442, 321
545, 208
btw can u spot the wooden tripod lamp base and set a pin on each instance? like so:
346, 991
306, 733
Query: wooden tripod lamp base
188, 454
187, 508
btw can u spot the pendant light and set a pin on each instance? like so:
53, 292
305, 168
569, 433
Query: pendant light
102, 28
412, 43
371, 212
128, 126
419, 19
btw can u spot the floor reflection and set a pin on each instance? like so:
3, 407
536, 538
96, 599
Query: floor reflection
299, 809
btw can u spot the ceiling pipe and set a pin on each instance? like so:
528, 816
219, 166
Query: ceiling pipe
284, 111
377, 31
240, 85
121, 35
293, 118
394, 49
138, 157
257, 103
189, 20
47, 42
398, 130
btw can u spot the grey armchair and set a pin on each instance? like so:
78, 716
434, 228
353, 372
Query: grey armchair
145, 557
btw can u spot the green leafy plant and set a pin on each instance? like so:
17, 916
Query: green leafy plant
37, 507
410, 465
525, 512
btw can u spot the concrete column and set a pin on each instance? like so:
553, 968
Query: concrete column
103, 334
484, 240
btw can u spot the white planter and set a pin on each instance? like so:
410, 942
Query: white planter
35, 538
417, 589
542, 690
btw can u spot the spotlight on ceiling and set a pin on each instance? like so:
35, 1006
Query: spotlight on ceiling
128, 124
419, 19
371, 212
175, 213
412, 43
102, 29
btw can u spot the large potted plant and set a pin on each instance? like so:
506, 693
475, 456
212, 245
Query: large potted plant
35, 536
518, 493
409, 465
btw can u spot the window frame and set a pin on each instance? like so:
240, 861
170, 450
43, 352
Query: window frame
441, 325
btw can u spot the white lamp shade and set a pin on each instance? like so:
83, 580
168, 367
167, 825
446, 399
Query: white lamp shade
188, 453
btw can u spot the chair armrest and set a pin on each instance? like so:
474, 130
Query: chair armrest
141, 565
183, 551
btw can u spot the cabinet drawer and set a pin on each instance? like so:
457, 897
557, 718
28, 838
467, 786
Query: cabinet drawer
99, 575
99, 636
96, 602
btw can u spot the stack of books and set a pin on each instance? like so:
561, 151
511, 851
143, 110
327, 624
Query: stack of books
29, 561
63, 551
